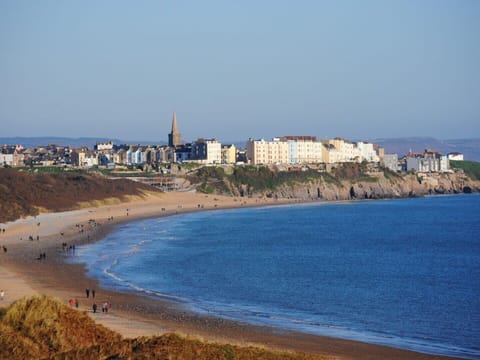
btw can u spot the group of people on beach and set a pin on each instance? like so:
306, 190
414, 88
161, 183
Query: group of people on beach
68, 248
105, 307
87, 292
74, 302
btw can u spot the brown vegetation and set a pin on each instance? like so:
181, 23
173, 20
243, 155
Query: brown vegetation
43, 328
22, 194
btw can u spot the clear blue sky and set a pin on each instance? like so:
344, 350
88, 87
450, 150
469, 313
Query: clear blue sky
238, 69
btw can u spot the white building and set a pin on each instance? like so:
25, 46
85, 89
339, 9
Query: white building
267, 152
428, 162
104, 146
455, 156
138, 156
340, 151
303, 149
229, 154
366, 151
390, 161
6, 159
207, 151
87, 158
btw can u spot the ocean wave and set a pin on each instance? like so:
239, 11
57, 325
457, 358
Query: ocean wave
128, 284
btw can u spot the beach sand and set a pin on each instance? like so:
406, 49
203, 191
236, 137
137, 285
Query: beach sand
131, 315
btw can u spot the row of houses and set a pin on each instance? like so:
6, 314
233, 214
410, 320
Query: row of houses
290, 150
307, 149
203, 151
51, 155
426, 161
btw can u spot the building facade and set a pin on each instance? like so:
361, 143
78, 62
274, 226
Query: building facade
207, 151
390, 161
263, 152
429, 161
229, 154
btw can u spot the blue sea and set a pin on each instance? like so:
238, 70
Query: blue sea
403, 273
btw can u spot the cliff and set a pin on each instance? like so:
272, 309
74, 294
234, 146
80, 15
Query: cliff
346, 182
379, 186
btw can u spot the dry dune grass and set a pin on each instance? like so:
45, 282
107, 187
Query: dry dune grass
23, 194
43, 328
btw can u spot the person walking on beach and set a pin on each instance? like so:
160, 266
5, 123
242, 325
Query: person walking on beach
93, 293
76, 303
2, 294
94, 307
87, 291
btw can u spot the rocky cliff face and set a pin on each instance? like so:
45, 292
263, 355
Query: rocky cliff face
376, 186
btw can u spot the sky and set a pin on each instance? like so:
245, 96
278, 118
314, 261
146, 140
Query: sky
232, 70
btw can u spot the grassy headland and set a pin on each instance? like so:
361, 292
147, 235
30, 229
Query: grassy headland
247, 180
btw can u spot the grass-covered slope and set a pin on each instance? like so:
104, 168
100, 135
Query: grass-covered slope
43, 328
245, 180
22, 193
40, 327
470, 168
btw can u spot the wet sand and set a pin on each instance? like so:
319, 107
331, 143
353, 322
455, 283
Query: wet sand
22, 273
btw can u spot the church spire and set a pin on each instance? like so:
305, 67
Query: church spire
174, 123
174, 138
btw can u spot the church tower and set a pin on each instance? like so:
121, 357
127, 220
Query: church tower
174, 138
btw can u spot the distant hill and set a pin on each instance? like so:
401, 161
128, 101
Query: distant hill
65, 141
470, 148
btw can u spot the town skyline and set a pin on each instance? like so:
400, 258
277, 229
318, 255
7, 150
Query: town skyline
357, 70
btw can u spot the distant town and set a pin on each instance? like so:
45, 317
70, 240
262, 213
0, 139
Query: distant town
292, 151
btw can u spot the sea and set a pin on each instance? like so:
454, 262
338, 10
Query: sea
403, 273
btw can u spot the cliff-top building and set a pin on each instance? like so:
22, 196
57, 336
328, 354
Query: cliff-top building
174, 138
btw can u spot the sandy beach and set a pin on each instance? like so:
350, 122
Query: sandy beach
24, 272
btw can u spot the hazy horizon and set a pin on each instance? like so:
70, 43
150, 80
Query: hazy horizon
357, 70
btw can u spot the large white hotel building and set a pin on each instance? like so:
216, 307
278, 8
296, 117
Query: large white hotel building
308, 150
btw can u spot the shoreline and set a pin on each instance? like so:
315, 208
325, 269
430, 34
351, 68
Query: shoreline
134, 314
